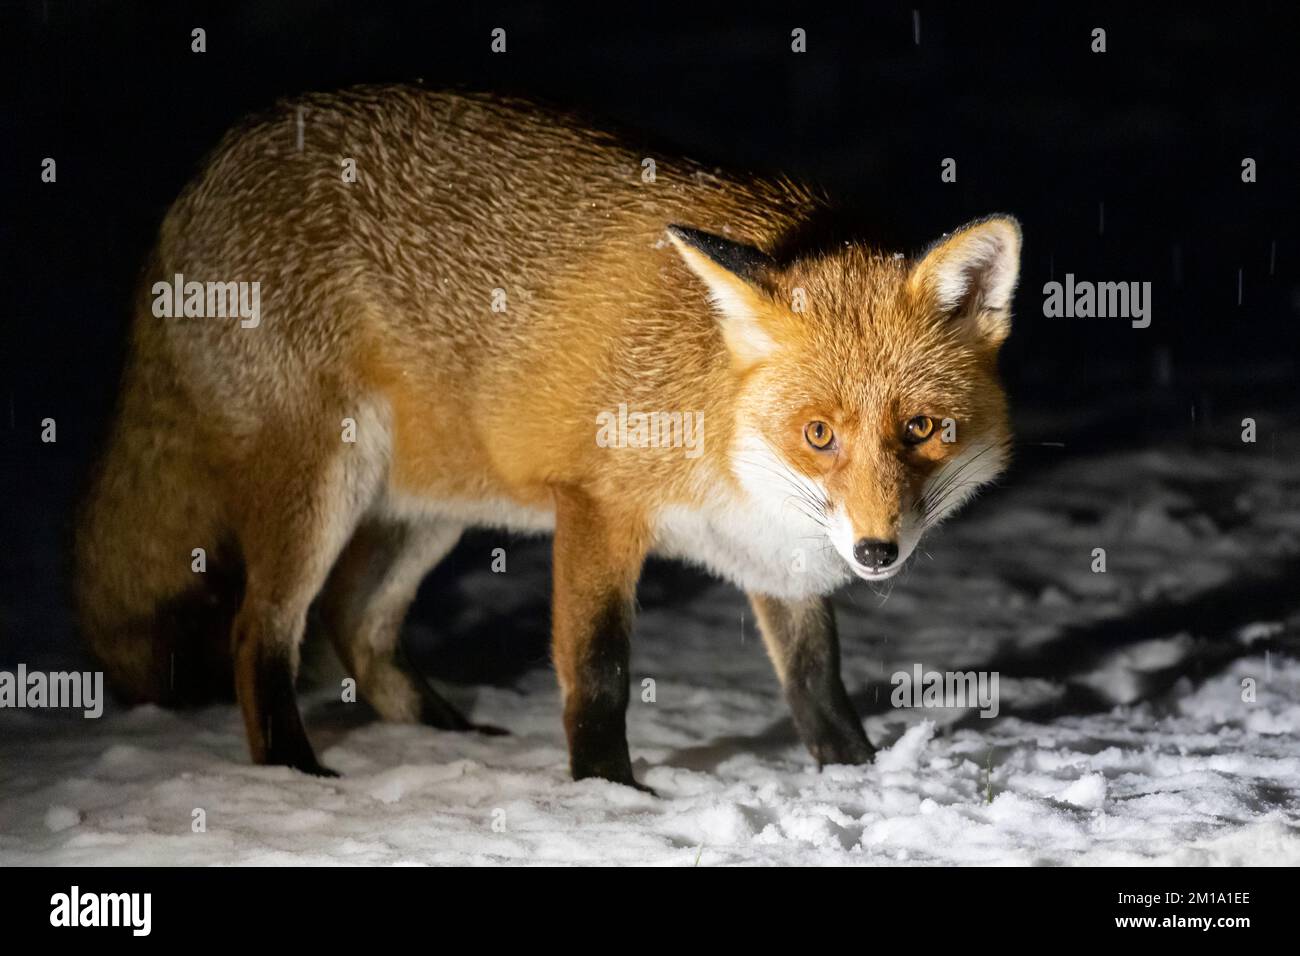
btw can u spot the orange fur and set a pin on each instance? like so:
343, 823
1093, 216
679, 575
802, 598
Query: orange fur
377, 308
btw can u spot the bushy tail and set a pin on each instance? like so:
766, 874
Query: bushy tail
160, 629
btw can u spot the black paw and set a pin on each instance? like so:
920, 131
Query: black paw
304, 763
318, 770
616, 773
846, 751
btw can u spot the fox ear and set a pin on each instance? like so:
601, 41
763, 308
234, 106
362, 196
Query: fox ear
733, 274
971, 275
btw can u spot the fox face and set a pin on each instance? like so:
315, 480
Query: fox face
867, 390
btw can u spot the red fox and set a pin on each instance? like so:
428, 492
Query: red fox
469, 311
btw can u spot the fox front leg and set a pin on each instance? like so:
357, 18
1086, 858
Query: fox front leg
598, 559
805, 650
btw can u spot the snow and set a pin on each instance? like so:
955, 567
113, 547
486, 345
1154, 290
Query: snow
1127, 732
1088, 792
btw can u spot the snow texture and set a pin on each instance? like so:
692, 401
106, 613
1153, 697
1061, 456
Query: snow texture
1122, 738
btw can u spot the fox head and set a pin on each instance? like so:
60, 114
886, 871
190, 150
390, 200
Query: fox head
867, 388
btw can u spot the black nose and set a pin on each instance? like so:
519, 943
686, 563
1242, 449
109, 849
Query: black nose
875, 554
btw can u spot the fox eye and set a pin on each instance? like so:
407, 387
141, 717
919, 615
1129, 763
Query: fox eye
918, 429
819, 435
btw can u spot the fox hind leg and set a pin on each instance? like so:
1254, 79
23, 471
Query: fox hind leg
364, 605
293, 522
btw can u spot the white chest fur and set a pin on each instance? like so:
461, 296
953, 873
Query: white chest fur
764, 535
779, 552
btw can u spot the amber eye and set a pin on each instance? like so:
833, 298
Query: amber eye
819, 435
918, 429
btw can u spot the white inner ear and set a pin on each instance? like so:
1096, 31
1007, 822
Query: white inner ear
735, 308
734, 302
980, 268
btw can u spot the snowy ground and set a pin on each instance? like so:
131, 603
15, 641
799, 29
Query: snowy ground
1123, 735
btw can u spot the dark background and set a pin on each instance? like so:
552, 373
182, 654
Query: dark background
1041, 127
